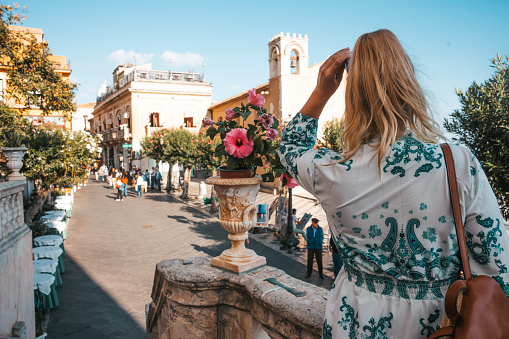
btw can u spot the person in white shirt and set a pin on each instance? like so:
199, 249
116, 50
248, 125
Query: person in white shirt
139, 185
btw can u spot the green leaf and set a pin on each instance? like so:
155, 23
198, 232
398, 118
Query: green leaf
258, 162
245, 114
211, 132
275, 125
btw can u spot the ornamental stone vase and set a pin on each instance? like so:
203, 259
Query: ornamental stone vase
14, 156
237, 214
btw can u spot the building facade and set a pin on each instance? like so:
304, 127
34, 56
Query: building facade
62, 67
141, 101
81, 118
291, 82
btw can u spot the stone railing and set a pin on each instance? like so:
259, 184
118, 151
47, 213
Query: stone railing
191, 298
16, 276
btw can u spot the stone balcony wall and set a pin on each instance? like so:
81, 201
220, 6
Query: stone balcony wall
192, 299
16, 273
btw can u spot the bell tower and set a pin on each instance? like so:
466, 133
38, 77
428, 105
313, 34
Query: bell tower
288, 55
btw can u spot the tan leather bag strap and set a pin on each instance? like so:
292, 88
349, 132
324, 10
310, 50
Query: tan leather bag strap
456, 209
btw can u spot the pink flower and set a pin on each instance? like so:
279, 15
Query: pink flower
290, 183
206, 122
267, 120
237, 144
271, 134
256, 99
230, 114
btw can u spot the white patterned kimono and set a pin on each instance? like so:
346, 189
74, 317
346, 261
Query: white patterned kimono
395, 230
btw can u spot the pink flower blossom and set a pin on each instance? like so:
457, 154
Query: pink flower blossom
271, 134
237, 144
256, 99
267, 120
206, 122
290, 183
230, 114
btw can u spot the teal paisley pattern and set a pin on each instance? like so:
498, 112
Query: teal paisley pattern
372, 330
298, 137
409, 149
484, 243
326, 331
431, 324
394, 230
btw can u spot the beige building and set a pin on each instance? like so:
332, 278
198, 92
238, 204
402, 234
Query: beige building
141, 101
62, 67
291, 81
81, 118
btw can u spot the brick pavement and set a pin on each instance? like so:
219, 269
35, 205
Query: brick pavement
112, 249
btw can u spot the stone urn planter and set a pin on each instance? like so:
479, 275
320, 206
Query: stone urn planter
14, 156
237, 214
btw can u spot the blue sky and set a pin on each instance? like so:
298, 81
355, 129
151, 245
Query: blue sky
450, 42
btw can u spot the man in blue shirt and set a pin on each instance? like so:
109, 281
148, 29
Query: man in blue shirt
314, 236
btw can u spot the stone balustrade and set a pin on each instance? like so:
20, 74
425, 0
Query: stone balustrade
192, 299
16, 274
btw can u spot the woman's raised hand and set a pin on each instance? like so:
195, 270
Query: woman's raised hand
329, 79
331, 72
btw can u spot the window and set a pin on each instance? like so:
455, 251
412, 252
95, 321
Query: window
188, 122
154, 120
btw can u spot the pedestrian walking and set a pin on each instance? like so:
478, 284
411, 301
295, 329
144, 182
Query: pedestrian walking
387, 198
100, 172
139, 185
145, 175
124, 186
120, 189
158, 177
152, 178
314, 236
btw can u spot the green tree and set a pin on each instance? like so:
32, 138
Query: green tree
205, 158
332, 135
31, 77
179, 148
482, 124
55, 156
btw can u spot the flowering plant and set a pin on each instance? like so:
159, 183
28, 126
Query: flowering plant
251, 146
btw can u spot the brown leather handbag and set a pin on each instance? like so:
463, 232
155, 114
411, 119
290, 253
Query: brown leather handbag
475, 307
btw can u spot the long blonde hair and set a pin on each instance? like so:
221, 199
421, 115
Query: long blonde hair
383, 97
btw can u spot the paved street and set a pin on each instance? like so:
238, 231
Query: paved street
112, 249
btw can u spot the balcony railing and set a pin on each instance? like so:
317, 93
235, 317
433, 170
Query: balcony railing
115, 134
153, 76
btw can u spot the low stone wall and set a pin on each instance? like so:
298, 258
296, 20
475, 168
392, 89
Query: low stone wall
16, 273
192, 299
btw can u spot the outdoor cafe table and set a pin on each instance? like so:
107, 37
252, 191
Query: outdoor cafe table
48, 266
49, 240
44, 290
60, 216
50, 252
57, 228
64, 206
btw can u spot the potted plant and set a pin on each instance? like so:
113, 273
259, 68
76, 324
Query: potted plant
14, 151
245, 147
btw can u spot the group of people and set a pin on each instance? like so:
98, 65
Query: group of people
120, 179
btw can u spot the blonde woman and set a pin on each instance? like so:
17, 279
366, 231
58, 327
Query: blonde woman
386, 197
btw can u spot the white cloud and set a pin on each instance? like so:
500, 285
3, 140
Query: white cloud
173, 59
122, 57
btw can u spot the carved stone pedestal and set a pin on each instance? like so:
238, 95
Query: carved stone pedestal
237, 213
